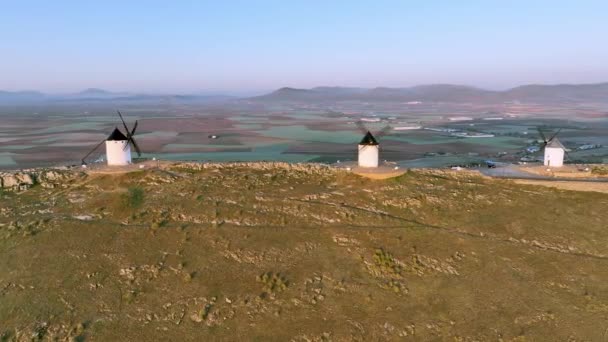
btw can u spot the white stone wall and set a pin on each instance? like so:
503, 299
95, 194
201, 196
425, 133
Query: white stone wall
554, 157
368, 155
117, 154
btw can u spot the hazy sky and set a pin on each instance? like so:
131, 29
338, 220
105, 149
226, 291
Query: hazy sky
240, 46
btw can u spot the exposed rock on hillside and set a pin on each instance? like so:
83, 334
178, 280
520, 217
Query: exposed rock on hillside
308, 167
48, 178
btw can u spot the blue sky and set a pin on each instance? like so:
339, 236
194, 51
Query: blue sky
254, 46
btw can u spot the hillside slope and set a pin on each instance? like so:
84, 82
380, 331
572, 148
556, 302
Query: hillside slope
450, 93
302, 253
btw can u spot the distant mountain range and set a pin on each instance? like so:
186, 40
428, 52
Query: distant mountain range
563, 93
542, 94
96, 95
20, 96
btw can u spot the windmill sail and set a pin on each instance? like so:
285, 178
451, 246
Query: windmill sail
130, 134
118, 136
83, 160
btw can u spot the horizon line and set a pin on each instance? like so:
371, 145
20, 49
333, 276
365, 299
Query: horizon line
215, 92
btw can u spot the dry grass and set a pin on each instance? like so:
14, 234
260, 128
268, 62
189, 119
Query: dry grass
569, 185
425, 256
566, 171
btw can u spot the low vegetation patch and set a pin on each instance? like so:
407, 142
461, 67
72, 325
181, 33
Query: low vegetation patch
273, 282
600, 170
386, 262
134, 198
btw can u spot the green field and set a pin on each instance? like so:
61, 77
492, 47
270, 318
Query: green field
302, 133
64, 137
7, 160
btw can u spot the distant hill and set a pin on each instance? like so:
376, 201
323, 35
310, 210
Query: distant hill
451, 93
562, 92
444, 93
96, 95
9, 97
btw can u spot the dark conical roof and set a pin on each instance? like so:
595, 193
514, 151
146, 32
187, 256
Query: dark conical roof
116, 135
555, 143
368, 139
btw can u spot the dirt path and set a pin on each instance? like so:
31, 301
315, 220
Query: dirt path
568, 185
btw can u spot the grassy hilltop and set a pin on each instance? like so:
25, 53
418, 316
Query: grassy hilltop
302, 253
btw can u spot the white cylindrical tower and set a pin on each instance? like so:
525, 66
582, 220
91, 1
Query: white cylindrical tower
554, 157
118, 152
118, 149
368, 151
368, 155
554, 153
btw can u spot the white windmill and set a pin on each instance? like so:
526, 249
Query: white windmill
554, 151
118, 145
369, 148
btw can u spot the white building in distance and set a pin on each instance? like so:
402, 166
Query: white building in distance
369, 151
554, 153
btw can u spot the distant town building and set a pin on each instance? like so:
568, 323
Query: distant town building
532, 149
589, 146
460, 118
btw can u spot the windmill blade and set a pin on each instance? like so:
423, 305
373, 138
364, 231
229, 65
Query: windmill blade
123, 122
383, 131
568, 155
542, 135
131, 141
93, 150
554, 135
136, 147
134, 127
361, 126
124, 148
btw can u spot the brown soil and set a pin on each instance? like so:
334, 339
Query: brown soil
569, 185
566, 171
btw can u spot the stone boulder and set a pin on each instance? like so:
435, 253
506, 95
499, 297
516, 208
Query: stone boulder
48, 178
11, 180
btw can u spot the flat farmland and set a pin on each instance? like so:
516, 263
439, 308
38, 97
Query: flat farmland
63, 135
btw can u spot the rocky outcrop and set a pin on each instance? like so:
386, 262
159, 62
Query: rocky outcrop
11, 180
308, 167
48, 178
54, 178
60, 177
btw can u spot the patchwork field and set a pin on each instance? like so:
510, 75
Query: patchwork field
63, 135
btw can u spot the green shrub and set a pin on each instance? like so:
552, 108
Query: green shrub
273, 282
386, 261
599, 170
204, 313
134, 198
